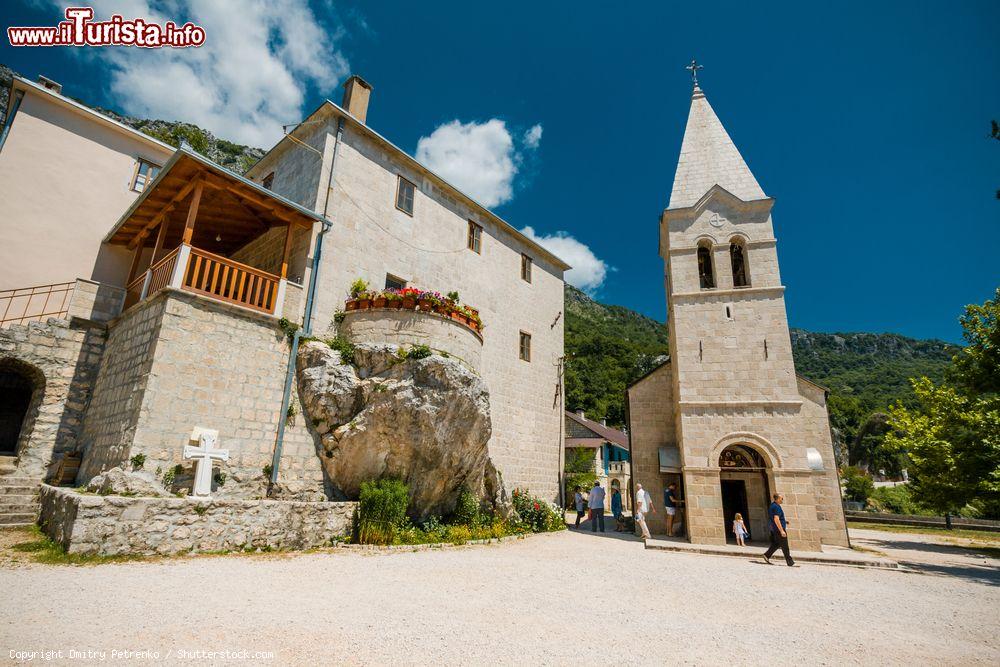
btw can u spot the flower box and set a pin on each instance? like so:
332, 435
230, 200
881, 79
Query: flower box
364, 304
350, 304
379, 302
409, 302
424, 304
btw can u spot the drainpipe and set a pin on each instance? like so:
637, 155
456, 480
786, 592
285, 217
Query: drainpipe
306, 328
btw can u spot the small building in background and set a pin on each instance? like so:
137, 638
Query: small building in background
604, 448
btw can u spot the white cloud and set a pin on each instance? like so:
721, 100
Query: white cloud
588, 272
533, 136
244, 83
481, 159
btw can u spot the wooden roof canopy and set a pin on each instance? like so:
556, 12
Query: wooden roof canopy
227, 207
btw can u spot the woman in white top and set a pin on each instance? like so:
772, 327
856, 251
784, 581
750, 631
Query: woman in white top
643, 504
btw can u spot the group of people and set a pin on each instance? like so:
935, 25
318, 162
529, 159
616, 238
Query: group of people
594, 504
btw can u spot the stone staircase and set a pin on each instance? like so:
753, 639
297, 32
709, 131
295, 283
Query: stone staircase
18, 495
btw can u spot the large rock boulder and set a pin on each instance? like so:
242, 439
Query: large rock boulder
120, 482
425, 421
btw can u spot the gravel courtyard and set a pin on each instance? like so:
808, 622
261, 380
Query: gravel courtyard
566, 598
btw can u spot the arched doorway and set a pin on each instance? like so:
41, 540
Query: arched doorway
745, 490
19, 387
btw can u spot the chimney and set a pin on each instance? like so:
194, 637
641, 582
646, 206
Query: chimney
357, 92
580, 414
604, 422
46, 82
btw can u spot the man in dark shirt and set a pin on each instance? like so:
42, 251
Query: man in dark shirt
670, 503
777, 524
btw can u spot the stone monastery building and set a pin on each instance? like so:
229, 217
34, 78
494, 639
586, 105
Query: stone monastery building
143, 290
726, 418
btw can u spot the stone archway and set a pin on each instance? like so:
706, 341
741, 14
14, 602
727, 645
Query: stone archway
21, 389
744, 488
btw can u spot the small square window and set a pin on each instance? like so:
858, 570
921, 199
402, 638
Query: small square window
268, 181
525, 348
475, 241
525, 268
145, 172
404, 196
392, 282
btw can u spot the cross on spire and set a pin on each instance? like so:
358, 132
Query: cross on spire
693, 68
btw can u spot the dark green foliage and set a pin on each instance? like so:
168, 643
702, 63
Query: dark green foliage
419, 352
344, 346
607, 347
138, 461
288, 327
579, 472
468, 511
894, 499
858, 485
381, 511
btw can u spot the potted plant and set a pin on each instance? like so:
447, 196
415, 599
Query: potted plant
358, 287
351, 304
364, 301
425, 301
378, 300
393, 298
409, 296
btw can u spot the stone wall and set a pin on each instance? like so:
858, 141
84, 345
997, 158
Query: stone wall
414, 327
61, 359
179, 360
117, 525
96, 301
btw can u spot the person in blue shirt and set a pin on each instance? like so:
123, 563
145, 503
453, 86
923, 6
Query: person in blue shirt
670, 503
616, 509
779, 538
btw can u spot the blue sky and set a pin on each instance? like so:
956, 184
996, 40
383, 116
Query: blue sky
867, 122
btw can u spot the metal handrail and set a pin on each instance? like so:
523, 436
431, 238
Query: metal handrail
29, 295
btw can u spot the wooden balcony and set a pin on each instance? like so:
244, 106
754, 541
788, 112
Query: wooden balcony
217, 277
198, 227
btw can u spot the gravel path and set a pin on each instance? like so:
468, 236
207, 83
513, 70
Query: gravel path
566, 598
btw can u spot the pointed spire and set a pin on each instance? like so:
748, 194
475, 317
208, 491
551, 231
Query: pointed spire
709, 157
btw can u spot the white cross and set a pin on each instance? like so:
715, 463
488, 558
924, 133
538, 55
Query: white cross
203, 455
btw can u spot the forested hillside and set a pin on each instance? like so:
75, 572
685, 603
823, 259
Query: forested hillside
608, 347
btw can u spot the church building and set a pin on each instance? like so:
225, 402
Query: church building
727, 418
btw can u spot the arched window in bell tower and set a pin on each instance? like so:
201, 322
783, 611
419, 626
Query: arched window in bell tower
738, 258
706, 274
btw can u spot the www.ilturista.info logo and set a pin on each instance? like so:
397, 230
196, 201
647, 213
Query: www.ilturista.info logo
79, 29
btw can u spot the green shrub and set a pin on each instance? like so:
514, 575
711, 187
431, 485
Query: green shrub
381, 511
468, 511
894, 499
535, 514
138, 461
344, 346
267, 470
359, 288
858, 484
419, 352
288, 327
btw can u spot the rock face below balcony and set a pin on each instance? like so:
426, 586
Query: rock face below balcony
425, 421
413, 327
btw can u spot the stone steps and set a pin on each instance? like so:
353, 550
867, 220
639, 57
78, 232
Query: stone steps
8, 465
18, 500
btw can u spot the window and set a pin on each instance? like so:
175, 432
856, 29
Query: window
475, 241
705, 274
392, 282
268, 181
738, 258
525, 349
525, 268
404, 196
145, 172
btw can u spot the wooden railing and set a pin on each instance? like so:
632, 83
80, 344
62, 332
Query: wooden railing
133, 291
222, 278
34, 304
162, 272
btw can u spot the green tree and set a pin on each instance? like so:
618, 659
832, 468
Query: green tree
953, 436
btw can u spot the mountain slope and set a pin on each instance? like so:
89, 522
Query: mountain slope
607, 347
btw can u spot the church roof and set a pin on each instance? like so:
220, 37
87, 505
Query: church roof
709, 157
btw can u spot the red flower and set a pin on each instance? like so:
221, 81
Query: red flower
536, 506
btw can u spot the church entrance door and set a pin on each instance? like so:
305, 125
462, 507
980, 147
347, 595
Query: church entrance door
734, 499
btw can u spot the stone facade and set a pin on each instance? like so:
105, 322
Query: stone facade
371, 239
60, 359
178, 360
116, 525
732, 377
414, 327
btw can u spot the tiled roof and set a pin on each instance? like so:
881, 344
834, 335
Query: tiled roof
581, 426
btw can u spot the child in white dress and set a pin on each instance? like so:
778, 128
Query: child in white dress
740, 530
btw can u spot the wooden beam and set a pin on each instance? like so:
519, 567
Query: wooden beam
160, 235
288, 249
176, 199
192, 213
136, 254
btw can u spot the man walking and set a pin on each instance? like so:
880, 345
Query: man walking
643, 504
670, 503
779, 538
596, 505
